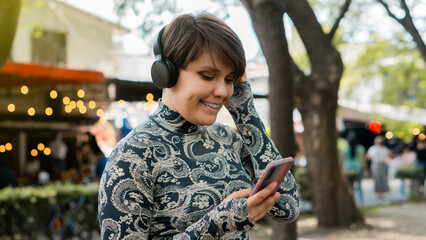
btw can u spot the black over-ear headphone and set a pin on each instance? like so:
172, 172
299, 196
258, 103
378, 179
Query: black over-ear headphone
164, 73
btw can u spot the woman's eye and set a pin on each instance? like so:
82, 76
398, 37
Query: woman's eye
206, 76
229, 80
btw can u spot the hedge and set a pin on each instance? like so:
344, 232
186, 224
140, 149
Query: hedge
58, 208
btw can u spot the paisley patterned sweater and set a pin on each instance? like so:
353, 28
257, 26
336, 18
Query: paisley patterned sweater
168, 177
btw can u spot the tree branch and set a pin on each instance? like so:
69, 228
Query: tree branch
343, 11
408, 24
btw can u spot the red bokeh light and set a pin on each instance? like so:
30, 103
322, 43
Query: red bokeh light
375, 126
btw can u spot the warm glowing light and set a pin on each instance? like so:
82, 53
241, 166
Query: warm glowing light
149, 97
80, 103
2, 148
100, 112
11, 107
389, 135
34, 152
48, 111
73, 104
47, 151
40, 146
92, 104
139, 105
31, 111
8, 146
114, 112
82, 110
102, 120
121, 103
53, 94
24, 89
416, 131
81, 93
123, 115
66, 100
68, 108
422, 136
130, 109
375, 126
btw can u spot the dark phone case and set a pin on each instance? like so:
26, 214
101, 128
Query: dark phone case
274, 171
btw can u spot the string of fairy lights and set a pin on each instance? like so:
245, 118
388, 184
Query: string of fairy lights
69, 104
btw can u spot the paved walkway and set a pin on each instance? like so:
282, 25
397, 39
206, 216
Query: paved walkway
398, 192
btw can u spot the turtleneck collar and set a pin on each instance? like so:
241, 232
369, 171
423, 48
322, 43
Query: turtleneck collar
171, 120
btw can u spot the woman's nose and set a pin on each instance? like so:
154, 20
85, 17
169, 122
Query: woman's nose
220, 89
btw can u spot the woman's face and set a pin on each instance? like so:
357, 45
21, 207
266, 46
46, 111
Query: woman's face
201, 89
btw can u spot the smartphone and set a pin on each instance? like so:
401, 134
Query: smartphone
274, 171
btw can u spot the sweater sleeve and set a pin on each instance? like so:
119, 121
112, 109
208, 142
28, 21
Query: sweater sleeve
261, 151
126, 203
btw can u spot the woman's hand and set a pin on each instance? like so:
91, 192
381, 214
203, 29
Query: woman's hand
262, 202
259, 204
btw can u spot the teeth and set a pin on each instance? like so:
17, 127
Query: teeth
211, 104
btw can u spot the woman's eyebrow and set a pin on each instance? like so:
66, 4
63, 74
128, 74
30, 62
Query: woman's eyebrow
209, 68
213, 69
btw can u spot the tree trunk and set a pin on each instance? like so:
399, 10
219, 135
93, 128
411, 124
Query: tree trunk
267, 21
9, 14
316, 98
333, 202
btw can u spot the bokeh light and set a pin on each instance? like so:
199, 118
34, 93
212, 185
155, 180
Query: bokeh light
48, 111
11, 107
47, 151
24, 89
416, 131
40, 146
31, 111
100, 112
53, 94
92, 104
81, 93
8, 146
34, 152
66, 100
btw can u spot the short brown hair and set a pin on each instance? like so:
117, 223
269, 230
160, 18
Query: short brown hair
188, 36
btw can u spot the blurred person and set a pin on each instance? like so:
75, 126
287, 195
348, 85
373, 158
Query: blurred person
380, 156
87, 157
421, 161
354, 159
403, 157
59, 153
92, 156
180, 175
7, 176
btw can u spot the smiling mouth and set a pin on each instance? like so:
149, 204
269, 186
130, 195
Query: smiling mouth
212, 105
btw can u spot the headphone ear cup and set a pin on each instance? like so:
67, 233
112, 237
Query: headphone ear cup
164, 73
173, 73
160, 74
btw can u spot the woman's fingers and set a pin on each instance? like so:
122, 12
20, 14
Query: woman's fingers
245, 193
262, 194
262, 202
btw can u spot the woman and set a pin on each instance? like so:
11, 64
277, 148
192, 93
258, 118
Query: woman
380, 156
180, 175
354, 160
